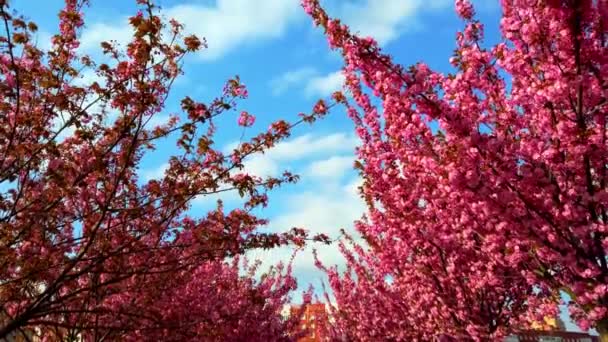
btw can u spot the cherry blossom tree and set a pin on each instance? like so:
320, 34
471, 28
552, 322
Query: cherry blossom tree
492, 214
213, 302
87, 248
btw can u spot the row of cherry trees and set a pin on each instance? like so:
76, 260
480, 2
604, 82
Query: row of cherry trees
90, 251
473, 229
477, 227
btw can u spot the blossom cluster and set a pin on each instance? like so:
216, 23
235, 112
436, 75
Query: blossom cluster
478, 227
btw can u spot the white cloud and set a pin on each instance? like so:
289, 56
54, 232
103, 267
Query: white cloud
210, 200
153, 173
334, 167
292, 78
60, 122
157, 119
43, 40
200, 201
87, 77
231, 23
93, 35
225, 24
324, 85
311, 80
326, 209
329, 203
308, 144
302, 147
324, 151
385, 20
261, 165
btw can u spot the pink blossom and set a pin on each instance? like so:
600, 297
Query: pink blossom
246, 119
514, 206
464, 8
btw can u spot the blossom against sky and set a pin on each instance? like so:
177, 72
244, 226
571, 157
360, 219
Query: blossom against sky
285, 63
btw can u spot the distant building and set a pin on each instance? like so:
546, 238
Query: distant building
551, 336
313, 320
551, 329
549, 324
316, 315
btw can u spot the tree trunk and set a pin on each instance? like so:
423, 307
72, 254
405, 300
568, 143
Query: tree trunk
602, 329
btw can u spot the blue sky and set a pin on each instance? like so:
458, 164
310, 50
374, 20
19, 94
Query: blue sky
287, 66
